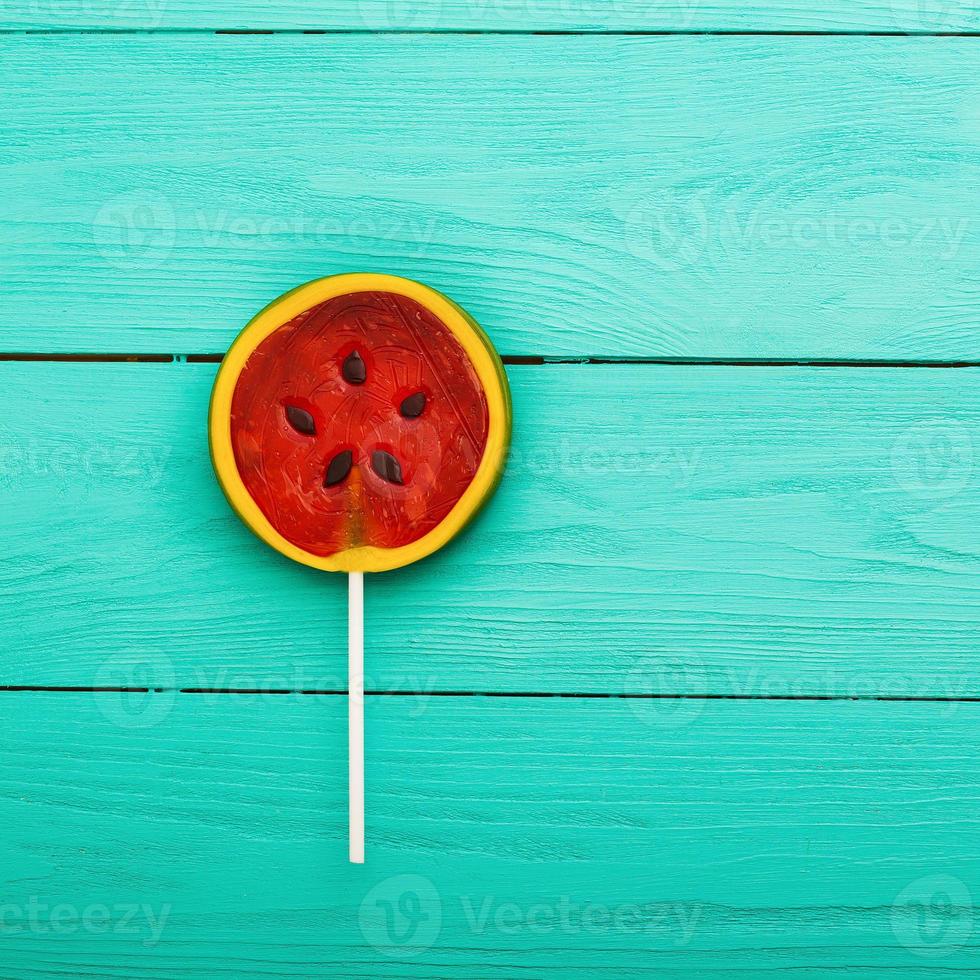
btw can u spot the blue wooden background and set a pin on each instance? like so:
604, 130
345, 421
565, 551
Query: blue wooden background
699, 694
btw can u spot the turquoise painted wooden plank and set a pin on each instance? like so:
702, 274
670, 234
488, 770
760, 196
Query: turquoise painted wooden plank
203, 837
752, 531
902, 16
617, 196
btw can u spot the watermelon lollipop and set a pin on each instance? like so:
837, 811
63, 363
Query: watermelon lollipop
356, 425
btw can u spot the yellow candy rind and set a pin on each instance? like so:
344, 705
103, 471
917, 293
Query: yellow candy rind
478, 349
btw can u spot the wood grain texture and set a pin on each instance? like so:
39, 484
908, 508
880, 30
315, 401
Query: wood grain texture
660, 529
706, 197
506, 838
901, 16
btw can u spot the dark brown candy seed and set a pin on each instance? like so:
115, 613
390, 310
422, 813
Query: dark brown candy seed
301, 420
412, 406
354, 371
386, 466
339, 468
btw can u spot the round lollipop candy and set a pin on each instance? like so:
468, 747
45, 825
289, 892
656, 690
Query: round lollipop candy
356, 424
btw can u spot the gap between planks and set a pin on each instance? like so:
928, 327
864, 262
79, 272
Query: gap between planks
525, 359
570, 695
513, 32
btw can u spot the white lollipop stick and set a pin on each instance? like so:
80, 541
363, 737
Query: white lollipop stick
355, 712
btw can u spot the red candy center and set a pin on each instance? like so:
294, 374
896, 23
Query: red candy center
359, 422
